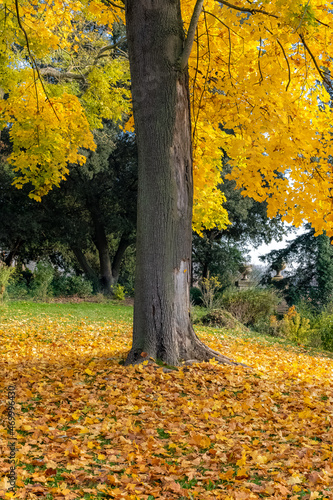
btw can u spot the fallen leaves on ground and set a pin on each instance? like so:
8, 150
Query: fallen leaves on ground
90, 428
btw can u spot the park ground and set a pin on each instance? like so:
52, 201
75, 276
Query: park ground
88, 428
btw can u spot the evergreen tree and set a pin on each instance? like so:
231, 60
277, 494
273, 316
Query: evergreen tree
309, 271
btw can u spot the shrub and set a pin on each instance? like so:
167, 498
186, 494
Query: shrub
209, 287
118, 292
66, 286
252, 306
59, 285
78, 285
18, 290
222, 319
196, 296
42, 278
5, 276
323, 326
295, 327
275, 327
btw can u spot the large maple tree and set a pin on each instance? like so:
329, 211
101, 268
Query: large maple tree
252, 78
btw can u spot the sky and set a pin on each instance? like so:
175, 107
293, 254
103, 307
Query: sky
274, 245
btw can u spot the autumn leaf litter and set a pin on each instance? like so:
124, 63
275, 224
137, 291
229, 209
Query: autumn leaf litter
88, 427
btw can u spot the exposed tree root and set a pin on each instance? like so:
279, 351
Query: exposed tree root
185, 349
205, 354
210, 354
198, 352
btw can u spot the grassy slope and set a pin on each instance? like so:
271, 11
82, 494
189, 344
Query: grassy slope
90, 428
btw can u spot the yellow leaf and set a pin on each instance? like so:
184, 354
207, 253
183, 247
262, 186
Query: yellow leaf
242, 473
314, 495
242, 460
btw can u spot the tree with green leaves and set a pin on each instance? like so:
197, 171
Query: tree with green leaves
309, 268
94, 209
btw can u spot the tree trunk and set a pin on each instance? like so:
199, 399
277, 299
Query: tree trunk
85, 266
13, 252
102, 246
162, 326
124, 243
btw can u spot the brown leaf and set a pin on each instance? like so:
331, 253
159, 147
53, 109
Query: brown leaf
313, 477
173, 486
38, 461
50, 472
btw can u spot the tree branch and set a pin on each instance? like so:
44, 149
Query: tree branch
244, 9
323, 24
288, 64
190, 35
285, 56
110, 3
219, 20
59, 75
259, 65
33, 61
229, 59
205, 80
106, 48
321, 72
68, 75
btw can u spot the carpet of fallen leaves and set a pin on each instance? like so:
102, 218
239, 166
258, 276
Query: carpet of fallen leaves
88, 427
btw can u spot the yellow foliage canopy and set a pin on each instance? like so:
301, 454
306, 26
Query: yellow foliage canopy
260, 87
259, 82
56, 85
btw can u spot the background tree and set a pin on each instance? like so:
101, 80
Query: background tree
309, 272
97, 202
220, 252
94, 209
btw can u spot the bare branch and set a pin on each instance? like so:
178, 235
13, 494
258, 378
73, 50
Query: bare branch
320, 71
60, 75
109, 2
190, 35
244, 9
285, 56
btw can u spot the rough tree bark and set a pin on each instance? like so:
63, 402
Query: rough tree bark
162, 326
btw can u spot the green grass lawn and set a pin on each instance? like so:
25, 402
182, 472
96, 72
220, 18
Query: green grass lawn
89, 311
118, 311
